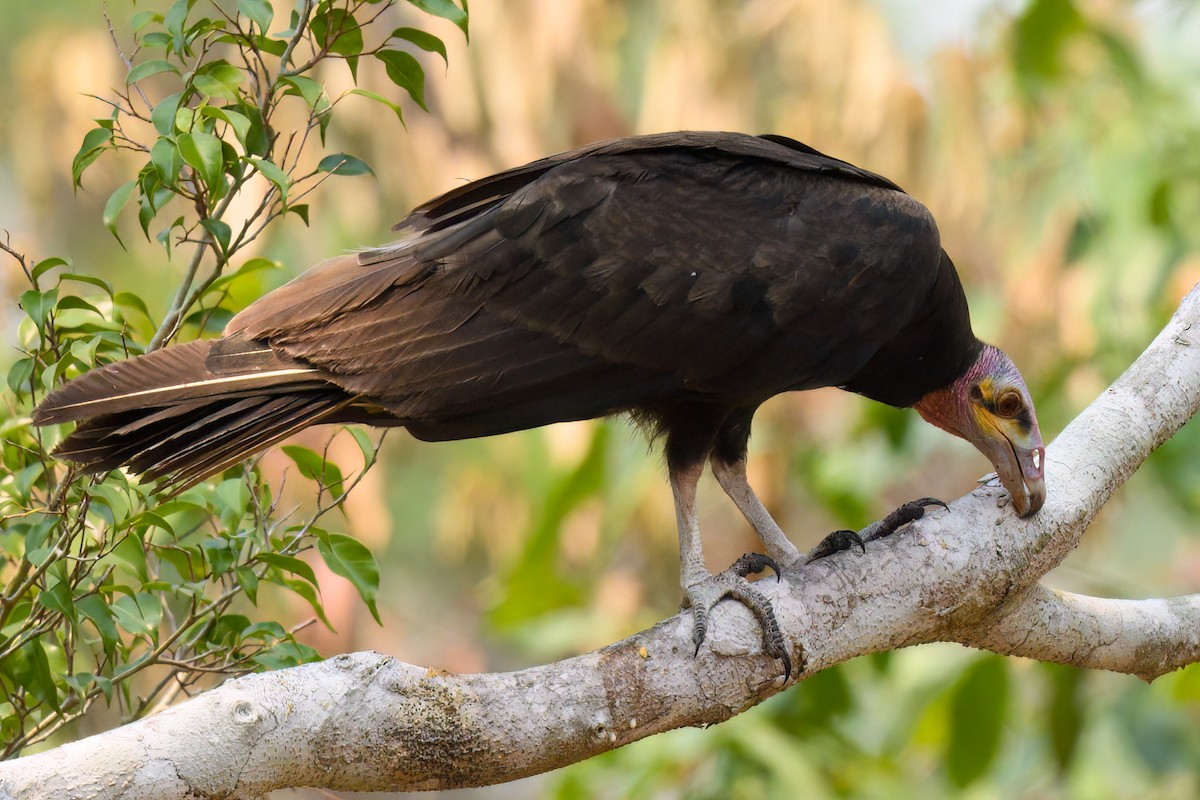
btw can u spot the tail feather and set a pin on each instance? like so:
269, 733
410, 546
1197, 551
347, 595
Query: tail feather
166, 377
187, 412
222, 448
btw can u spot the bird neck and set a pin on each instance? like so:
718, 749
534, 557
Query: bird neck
929, 352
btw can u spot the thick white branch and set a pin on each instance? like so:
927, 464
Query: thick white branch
1147, 638
367, 722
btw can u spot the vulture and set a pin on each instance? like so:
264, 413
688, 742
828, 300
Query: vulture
683, 278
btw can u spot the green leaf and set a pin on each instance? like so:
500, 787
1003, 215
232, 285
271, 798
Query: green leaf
163, 115
73, 322
156, 39
286, 654
90, 280
173, 21
221, 232
446, 9
239, 122
257, 142
378, 98
140, 614
274, 174
314, 467
112, 209
257, 11
38, 305
29, 669
365, 443
220, 554
219, 79
105, 496
202, 151
344, 164
164, 155
131, 554
251, 266
350, 558
306, 88
300, 211
129, 300
57, 597
405, 71
423, 40
291, 564
977, 711
42, 267
148, 68
309, 592
144, 18
163, 237
339, 30
94, 143
249, 581
19, 375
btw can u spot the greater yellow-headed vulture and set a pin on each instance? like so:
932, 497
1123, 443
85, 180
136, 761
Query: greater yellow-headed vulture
682, 277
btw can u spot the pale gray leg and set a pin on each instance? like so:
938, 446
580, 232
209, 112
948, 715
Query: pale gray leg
703, 590
732, 477
691, 551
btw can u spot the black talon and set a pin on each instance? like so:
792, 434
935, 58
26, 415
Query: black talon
909, 512
699, 627
836, 542
754, 563
733, 584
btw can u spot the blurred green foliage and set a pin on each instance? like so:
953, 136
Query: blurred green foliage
1054, 141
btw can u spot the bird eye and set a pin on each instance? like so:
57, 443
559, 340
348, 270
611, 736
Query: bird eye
1009, 404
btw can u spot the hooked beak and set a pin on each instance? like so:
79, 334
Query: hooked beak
1021, 467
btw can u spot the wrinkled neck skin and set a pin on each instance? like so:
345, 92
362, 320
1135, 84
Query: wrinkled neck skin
949, 408
969, 408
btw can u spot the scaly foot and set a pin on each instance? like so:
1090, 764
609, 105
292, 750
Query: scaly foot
702, 596
838, 541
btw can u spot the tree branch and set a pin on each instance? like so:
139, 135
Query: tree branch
1147, 638
368, 722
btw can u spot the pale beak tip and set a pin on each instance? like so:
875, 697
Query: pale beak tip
1035, 491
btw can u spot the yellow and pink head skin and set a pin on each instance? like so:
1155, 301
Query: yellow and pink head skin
990, 407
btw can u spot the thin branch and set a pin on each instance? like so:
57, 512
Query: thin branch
297, 36
128, 63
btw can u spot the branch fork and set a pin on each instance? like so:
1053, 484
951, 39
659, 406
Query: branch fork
366, 721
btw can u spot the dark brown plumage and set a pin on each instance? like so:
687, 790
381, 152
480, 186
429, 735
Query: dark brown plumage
684, 277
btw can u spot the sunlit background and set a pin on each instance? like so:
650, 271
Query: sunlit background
1058, 145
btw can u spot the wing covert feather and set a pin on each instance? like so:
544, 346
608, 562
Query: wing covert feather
609, 280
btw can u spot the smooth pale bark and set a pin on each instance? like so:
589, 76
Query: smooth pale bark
368, 722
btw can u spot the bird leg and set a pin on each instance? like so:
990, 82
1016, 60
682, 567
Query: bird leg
703, 590
838, 541
732, 477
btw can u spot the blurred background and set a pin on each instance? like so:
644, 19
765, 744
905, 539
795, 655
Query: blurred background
1058, 145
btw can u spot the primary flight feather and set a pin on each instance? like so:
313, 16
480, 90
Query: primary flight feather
683, 277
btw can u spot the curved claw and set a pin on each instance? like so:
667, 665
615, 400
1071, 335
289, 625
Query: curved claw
836, 542
754, 563
733, 584
699, 626
928, 501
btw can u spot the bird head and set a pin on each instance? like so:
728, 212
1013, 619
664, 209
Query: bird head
990, 407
